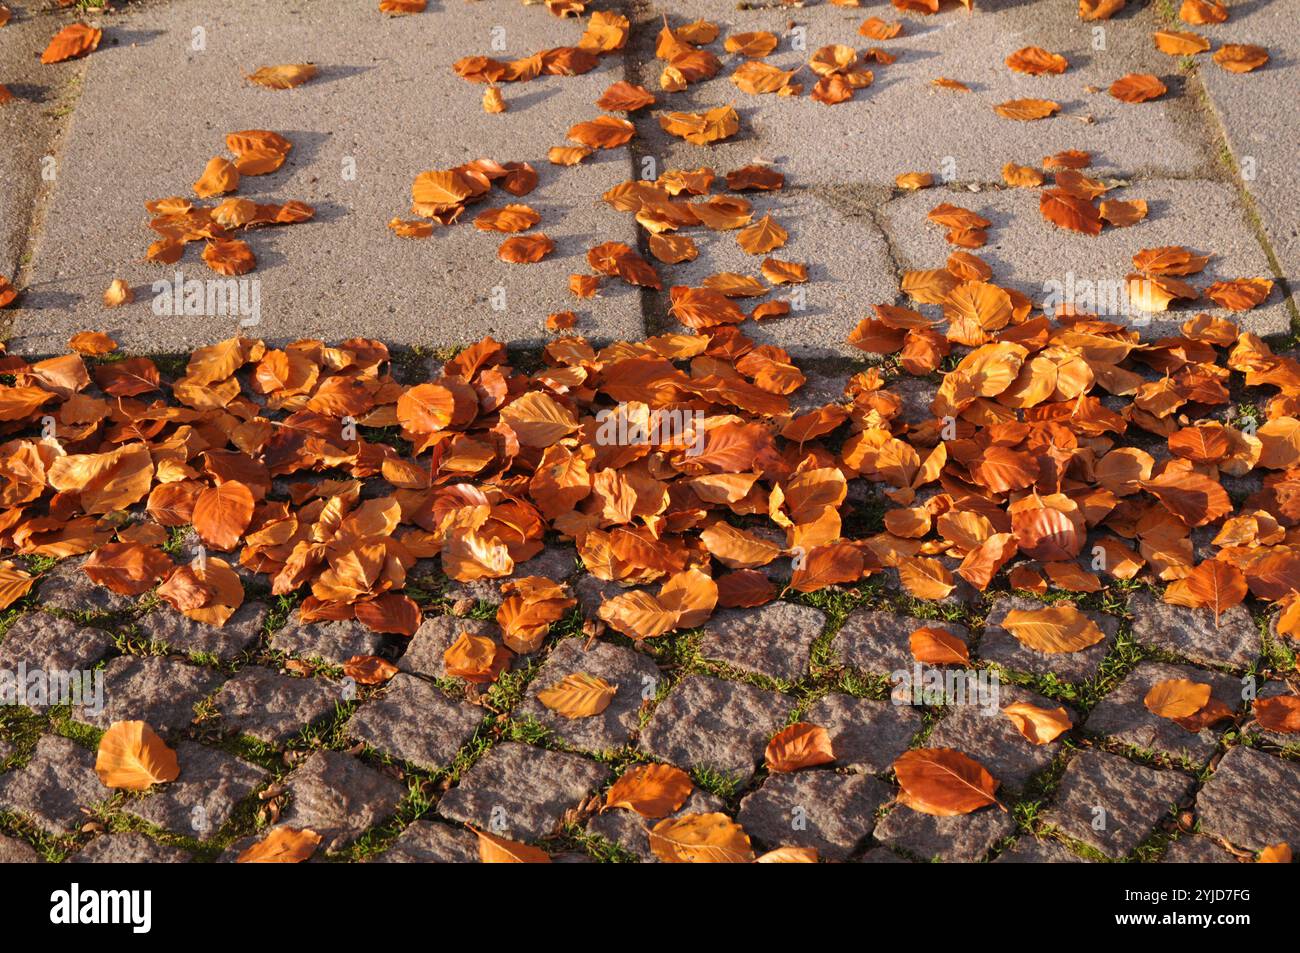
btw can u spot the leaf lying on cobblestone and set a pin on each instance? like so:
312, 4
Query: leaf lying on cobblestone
132, 757
651, 790
797, 746
282, 845
1039, 725
700, 839
943, 782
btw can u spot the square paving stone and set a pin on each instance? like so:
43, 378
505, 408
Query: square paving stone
40, 640
14, 851
211, 785
273, 707
413, 720
866, 734
1190, 849
992, 739
965, 838
55, 785
339, 797
68, 588
438, 290
1193, 633
335, 640
428, 842
181, 634
1030, 850
1251, 801
999, 645
630, 830
773, 640
424, 651
158, 690
880, 642
634, 675
1112, 803
520, 791
814, 808
710, 723
1123, 717
128, 848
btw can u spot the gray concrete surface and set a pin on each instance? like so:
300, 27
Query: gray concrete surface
139, 118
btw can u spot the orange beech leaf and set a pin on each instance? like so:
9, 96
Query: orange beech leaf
700, 839
1275, 854
1241, 294
800, 745
15, 583
391, 612
1213, 585
498, 850
74, 40
1035, 61
1027, 110
132, 757
1180, 43
129, 569
1038, 725
1060, 628
938, 647
874, 28
623, 96
1240, 57
286, 76
578, 695
1280, 713
1176, 698
282, 845
755, 45
1069, 211
943, 782
1137, 88
524, 249
222, 513
651, 790
369, 669
603, 132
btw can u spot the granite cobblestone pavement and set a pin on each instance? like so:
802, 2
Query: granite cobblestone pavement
259, 711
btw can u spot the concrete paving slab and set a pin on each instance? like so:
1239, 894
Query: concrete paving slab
1025, 250
903, 123
152, 114
1259, 114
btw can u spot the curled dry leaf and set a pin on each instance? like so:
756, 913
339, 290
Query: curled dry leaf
282, 845
74, 40
132, 757
1039, 725
286, 76
498, 850
118, 293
